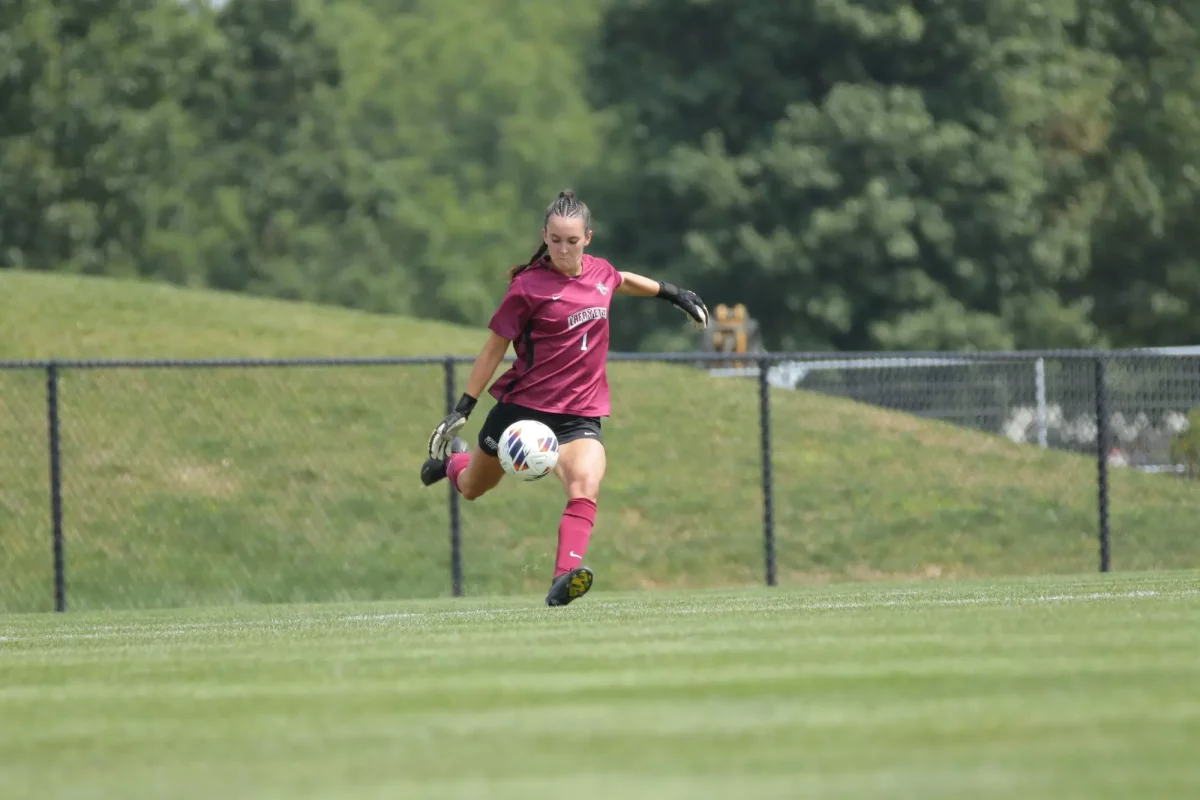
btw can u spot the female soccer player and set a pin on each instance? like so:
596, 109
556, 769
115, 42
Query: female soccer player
556, 313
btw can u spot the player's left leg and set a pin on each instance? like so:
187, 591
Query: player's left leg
581, 465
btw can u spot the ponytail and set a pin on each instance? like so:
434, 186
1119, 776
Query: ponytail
565, 205
513, 272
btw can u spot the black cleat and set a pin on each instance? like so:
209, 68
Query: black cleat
568, 587
434, 469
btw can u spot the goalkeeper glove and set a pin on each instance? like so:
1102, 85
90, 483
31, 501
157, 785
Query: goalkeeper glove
686, 301
443, 434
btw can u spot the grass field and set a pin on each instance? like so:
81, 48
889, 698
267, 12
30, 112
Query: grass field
1065, 687
218, 486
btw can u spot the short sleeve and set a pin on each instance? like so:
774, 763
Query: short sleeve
513, 314
618, 278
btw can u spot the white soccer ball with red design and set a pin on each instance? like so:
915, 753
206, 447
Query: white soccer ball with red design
528, 450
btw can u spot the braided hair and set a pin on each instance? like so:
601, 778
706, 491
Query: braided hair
565, 205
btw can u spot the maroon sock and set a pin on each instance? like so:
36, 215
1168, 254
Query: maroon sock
573, 534
455, 464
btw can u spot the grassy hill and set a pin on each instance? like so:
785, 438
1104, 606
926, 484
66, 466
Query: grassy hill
194, 486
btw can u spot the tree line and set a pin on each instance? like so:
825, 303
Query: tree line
862, 174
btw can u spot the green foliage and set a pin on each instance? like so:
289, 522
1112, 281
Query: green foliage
860, 173
1185, 446
391, 157
885, 184
1146, 276
471, 114
95, 138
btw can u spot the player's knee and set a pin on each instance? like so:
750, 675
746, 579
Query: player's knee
586, 488
469, 492
475, 484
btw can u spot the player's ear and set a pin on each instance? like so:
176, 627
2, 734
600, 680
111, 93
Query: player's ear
587, 238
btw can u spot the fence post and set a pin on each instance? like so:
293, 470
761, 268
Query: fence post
764, 418
1039, 376
56, 527
456, 573
1102, 462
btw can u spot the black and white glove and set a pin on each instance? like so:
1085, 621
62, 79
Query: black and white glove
444, 433
686, 301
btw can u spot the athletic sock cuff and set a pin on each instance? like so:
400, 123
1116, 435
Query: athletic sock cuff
582, 507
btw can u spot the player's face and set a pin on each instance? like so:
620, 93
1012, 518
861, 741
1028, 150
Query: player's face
565, 237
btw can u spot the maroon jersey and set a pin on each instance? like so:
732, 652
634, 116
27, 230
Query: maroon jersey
559, 328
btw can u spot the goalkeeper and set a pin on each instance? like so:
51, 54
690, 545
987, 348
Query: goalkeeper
555, 314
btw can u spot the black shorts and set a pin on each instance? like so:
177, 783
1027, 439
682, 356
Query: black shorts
567, 427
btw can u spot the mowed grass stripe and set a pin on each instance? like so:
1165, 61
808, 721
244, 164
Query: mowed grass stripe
602, 604
1083, 687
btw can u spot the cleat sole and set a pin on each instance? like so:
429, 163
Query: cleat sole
571, 586
579, 585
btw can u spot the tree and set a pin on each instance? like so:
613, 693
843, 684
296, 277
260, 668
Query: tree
93, 133
473, 115
863, 174
1145, 281
380, 155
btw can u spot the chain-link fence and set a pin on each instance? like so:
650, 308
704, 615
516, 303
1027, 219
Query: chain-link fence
144, 484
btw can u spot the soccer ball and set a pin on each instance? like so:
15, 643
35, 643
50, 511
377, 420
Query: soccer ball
528, 450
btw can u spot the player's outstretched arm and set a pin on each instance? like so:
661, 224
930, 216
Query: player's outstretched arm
485, 365
482, 370
685, 300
